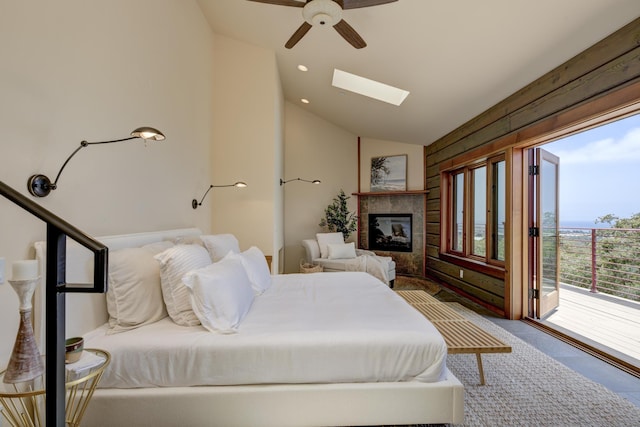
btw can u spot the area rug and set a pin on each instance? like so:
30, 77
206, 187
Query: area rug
528, 388
525, 387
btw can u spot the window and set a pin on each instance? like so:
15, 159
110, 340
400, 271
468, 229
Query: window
479, 212
476, 211
458, 211
499, 200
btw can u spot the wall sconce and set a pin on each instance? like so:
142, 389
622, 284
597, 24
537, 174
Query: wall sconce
40, 185
315, 181
194, 202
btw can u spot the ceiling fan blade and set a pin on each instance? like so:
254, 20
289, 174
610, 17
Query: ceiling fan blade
300, 32
355, 4
349, 34
292, 3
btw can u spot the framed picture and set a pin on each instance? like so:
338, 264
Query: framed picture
389, 173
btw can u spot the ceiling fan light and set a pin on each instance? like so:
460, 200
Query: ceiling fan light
322, 12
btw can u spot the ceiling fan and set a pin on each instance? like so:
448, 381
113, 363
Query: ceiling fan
326, 12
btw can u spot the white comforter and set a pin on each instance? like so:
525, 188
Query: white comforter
306, 328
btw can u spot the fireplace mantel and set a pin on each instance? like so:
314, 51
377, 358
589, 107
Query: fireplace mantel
392, 193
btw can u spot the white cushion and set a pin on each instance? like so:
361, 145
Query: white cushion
134, 295
324, 239
219, 245
188, 240
341, 250
255, 265
221, 295
175, 262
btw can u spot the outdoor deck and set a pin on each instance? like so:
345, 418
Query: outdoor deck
602, 319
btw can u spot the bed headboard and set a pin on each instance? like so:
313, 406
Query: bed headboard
85, 311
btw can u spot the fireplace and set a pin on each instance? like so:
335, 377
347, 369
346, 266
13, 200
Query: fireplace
406, 207
391, 232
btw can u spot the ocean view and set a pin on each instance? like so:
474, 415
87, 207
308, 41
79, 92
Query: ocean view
583, 224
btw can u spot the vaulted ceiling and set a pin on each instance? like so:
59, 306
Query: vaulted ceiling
456, 57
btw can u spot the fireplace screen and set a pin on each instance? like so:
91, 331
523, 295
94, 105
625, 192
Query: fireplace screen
390, 232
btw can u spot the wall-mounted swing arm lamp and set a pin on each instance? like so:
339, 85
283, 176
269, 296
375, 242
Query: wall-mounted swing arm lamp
40, 185
194, 202
315, 181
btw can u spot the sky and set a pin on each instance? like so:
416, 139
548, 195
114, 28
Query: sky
599, 172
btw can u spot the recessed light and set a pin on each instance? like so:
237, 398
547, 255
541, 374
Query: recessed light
302, 68
367, 87
304, 100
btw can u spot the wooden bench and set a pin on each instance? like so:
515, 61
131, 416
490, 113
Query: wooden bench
461, 335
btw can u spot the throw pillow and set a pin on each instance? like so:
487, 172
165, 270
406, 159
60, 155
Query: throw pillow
324, 239
255, 265
342, 250
134, 296
221, 295
175, 262
219, 245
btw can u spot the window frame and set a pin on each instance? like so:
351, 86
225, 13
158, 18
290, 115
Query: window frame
452, 239
466, 257
470, 250
493, 210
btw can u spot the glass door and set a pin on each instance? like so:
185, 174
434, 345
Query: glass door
547, 280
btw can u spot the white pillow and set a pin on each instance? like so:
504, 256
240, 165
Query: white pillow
325, 239
188, 240
220, 245
255, 265
175, 262
134, 296
342, 250
221, 295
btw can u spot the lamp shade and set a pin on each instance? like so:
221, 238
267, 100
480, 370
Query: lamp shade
148, 133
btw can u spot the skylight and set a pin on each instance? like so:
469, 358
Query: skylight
367, 87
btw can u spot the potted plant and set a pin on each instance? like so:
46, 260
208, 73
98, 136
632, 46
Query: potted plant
338, 218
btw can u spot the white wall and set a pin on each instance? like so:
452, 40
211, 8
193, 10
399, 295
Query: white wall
73, 70
314, 149
247, 145
370, 148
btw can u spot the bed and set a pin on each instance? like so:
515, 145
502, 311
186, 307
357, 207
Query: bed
312, 349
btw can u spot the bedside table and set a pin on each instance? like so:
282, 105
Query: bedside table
22, 404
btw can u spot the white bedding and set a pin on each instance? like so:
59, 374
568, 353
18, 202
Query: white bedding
306, 328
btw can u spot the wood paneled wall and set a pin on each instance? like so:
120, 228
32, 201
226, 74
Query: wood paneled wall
563, 98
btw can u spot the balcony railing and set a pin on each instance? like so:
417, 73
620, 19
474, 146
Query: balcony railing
602, 260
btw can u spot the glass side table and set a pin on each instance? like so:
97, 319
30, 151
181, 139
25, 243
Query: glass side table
22, 404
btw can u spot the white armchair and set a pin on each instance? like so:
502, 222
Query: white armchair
330, 251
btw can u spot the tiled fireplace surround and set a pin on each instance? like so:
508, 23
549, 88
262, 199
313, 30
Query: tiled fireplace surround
407, 263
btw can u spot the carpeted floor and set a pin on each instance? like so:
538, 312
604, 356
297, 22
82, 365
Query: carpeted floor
527, 387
